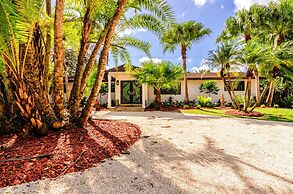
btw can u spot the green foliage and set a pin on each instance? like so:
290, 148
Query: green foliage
183, 35
161, 75
198, 106
276, 106
152, 105
209, 87
262, 106
186, 106
204, 101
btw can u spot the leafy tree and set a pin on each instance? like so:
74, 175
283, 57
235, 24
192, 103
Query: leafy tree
224, 59
209, 87
183, 35
163, 75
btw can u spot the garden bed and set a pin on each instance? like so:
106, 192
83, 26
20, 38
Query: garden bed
24, 160
243, 114
166, 109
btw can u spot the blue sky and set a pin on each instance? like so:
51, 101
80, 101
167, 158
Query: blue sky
212, 13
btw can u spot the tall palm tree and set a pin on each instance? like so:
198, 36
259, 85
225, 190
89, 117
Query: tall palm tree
159, 12
161, 75
224, 59
183, 35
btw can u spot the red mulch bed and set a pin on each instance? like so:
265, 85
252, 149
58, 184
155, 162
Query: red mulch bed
70, 150
243, 114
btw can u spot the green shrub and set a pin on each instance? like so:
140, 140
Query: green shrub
276, 106
198, 107
239, 99
288, 101
186, 106
204, 101
152, 105
262, 106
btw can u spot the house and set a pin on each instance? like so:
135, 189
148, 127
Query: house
124, 90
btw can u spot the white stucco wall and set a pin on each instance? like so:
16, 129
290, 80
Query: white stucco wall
193, 91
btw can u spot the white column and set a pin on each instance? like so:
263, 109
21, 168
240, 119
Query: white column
109, 90
144, 95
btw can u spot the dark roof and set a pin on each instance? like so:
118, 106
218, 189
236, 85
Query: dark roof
212, 75
120, 68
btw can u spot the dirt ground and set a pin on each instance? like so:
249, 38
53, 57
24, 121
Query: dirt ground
187, 154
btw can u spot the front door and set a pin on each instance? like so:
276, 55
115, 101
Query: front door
130, 92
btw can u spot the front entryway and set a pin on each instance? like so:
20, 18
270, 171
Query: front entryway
131, 92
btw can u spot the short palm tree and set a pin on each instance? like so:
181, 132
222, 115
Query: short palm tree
223, 59
183, 35
161, 75
252, 55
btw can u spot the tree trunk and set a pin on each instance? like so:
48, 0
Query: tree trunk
231, 90
58, 95
34, 78
48, 49
74, 100
248, 97
183, 53
257, 83
158, 98
270, 97
261, 96
92, 59
66, 91
102, 63
248, 89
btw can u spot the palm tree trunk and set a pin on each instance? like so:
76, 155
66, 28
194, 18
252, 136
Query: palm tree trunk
257, 83
261, 96
91, 61
248, 97
183, 53
248, 89
48, 48
74, 100
158, 98
233, 95
58, 95
102, 63
270, 97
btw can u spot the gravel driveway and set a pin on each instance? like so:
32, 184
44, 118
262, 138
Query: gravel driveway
187, 154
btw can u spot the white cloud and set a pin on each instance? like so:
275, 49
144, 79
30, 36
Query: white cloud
201, 3
128, 32
200, 68
245, 4
222, 6
144, 59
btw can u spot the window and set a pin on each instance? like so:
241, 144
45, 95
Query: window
174, 91
238, 85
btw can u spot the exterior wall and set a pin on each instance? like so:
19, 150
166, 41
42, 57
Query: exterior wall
149, 96
193, 91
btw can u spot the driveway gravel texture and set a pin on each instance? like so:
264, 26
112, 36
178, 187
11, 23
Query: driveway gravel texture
180, 153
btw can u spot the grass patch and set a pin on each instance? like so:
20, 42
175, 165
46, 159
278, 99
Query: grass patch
271, 114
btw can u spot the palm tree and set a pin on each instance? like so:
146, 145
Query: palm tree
159, 12
183, 35
22, 54
252, 55
224, 59
161, 75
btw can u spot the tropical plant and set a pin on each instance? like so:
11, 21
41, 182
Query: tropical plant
209, 87
163, 75
203, 101
183, 35
224, 59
